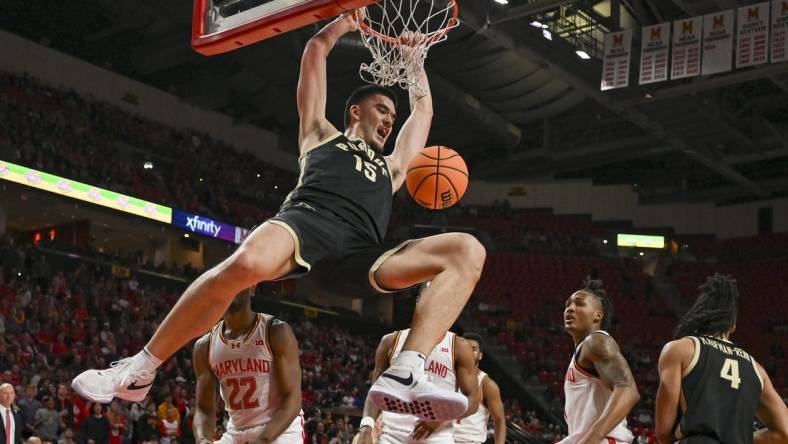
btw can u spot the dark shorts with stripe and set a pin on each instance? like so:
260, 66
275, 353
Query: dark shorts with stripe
334, 253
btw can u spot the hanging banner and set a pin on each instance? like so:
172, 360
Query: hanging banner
752, 32
654, 53
717, 42
618, 51
686, 47
779, 31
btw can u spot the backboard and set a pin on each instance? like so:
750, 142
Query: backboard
219, 26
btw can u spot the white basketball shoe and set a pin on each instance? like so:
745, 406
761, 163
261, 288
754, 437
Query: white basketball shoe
119, 381
399, 390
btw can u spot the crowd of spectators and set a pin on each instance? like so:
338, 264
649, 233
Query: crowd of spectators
84, 139
58, 319
78, 137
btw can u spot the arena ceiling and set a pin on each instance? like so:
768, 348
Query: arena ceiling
518, 106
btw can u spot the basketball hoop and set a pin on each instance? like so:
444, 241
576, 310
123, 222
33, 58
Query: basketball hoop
399, 33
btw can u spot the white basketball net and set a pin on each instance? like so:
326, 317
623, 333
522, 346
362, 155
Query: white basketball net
399, 33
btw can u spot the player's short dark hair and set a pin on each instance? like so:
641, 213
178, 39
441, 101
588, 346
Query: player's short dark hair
475, 337
714, 312
594, 286
362, 92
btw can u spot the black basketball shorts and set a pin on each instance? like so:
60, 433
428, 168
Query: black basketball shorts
334, 253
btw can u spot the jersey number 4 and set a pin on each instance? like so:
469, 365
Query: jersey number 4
235, 384
730, 372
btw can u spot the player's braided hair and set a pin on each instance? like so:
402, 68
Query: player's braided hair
594, 286
714, 312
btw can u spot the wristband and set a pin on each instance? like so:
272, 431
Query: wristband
367, 421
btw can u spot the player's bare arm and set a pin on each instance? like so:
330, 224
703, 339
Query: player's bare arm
772, 412
467, 376
675, 357
311, 92
204, 424
412, 137
602, 352
491, 395
467, 382
287, 373
382, 355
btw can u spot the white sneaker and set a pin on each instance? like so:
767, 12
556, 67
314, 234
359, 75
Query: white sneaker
416, 396
120, 381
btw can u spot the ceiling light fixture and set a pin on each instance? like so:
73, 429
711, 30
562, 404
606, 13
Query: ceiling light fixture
546, 34
582, 54
502, 2
538, 24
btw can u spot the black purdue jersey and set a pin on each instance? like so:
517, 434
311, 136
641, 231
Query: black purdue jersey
349, 179
722, 388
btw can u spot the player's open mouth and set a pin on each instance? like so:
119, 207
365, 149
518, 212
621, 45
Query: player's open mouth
383, 132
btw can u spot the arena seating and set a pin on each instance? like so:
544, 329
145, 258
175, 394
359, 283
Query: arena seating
84, 139
538, 260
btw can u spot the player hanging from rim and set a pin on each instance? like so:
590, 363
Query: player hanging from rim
599, 387
450, 366
473, 429
254, 359
710, 390
334, 221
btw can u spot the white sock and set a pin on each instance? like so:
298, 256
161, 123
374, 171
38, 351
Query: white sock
410, 359
144, 360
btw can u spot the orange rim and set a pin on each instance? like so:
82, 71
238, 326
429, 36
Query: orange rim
436, 35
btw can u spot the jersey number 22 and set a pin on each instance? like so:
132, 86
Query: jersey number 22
235, 384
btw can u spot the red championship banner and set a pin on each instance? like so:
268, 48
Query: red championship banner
717, 42
752, 32
779, 31
686, 47
618, 51
654, 53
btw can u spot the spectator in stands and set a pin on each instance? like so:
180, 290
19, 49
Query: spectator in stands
67, 437
47, 421
146, 428
96, 427
117, 422
170, 427
29, 405
64, 406
319, 437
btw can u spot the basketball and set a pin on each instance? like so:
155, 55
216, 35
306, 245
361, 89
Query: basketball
437, 178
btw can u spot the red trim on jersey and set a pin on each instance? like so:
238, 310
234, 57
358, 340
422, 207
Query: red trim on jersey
580, 369
268, 323
245, 338
453, 357
394, 348
611, 440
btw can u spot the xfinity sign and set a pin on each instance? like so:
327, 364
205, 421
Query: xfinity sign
205, 226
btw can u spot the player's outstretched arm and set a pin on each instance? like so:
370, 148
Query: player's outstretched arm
371, 411
205, 416
287, 374
491, 395
311, 93
603, 352
413, 136
772, 413
670, 374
